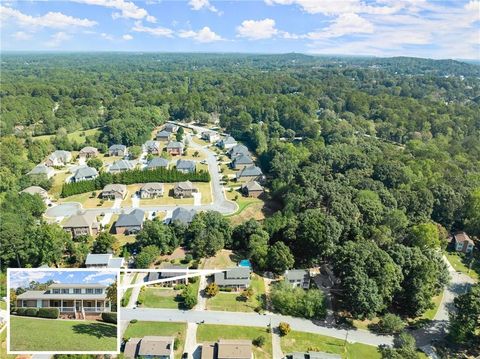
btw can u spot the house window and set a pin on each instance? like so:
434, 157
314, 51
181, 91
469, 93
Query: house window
89, 291
98, 291
56, 291
65, 291
77, 291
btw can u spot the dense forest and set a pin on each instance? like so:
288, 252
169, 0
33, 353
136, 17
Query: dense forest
373, 162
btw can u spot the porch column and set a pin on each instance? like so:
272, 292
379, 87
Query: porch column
96, 306
61, 305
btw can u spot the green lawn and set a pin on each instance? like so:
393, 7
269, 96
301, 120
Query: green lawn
211, 333
32, 334
141, 329
300, 341
158, 297
3, 305
77, 136
233, 302
459, 263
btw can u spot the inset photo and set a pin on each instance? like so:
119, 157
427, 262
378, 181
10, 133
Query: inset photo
63, 311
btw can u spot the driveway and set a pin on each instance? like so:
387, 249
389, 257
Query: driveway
191, 340
201, 297
135, 200
135, 292
197, 199
254, 320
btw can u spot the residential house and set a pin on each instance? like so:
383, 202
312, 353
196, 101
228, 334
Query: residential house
84, 173
297, 278
152, 147
42, 170
236, 278
88, 152
241, 161
185, 166
82, 224
157, 162
175, 148
228, 349
182, 215
184, 190
227, 143
170, 127
237, 150
58, 158
312, 355
130, 223
463, 243
248, 174
172, 272
33, 190
121, 166
151, 190
163, 136
68, 298
252, 189
114, 191
118, 150
150, 347
106, 260
210, 136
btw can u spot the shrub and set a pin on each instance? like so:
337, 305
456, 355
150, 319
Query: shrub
179, 286
13, 309
21, 311
31, 312
193, 280
226, 289
390, 324
284, 328
133, 321
211, 290
52, 313
109, 317
259, 341
176, 343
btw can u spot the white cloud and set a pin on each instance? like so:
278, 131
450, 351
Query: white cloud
127, 37
23, 278
94, 277
256, 30
343, 25
127, 9
329, 7
22, 36
54, 20
106, 36
57, 39
202, 4
155, 31
204, 35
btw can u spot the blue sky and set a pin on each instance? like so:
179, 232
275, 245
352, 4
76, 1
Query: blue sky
21, 278
424, 28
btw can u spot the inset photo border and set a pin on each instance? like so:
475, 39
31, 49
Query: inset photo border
63, 311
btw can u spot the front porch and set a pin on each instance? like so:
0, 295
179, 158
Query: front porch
69, 306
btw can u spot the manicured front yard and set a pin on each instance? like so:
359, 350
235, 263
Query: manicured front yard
461, 264
223, 259
32, 334
211, 333
300, 341
233, 302
88, 201
157, 297
141, 329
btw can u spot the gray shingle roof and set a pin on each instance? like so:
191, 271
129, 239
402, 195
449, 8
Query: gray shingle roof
117, 148
252, 186
163, 133
185, 165
80, 220
183, 215
233, 276
98, 259
132, 219
296, 274
157, 162
229, 141
186, 185
121, 165
152, 145
41, 170
34, 190
238, 149
242, 159
83, 172
152, 186
250, 171
175, 144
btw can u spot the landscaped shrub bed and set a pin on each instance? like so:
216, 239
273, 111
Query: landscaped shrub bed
52, 313
109, 317
31, 312
131, 177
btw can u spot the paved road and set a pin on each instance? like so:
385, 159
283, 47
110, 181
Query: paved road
252, 319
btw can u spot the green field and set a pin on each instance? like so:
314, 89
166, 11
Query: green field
300, 341
211, 333
141, 329
233, 302
162, 298
3, 305
77, 136
460, 264
32, 334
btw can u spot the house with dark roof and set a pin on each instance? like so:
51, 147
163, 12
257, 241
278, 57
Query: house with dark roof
152, 147
185, 166
227, 143
157, 162
150, 347
236, 278
163, 136
175, 148
151, 190
241, 161
237, 150
210, 136
82, 224
130, 223
114, 191
42, 170
88, 152
117, 150
249, 174
182, 215
297, 278
463, 243
184, 190
105, 260
170, 273
121, 166
228, 349
170, 127
58, 158
252, 189
84, 173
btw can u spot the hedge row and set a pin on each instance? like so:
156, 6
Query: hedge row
109, 317
131, 177
52, 313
